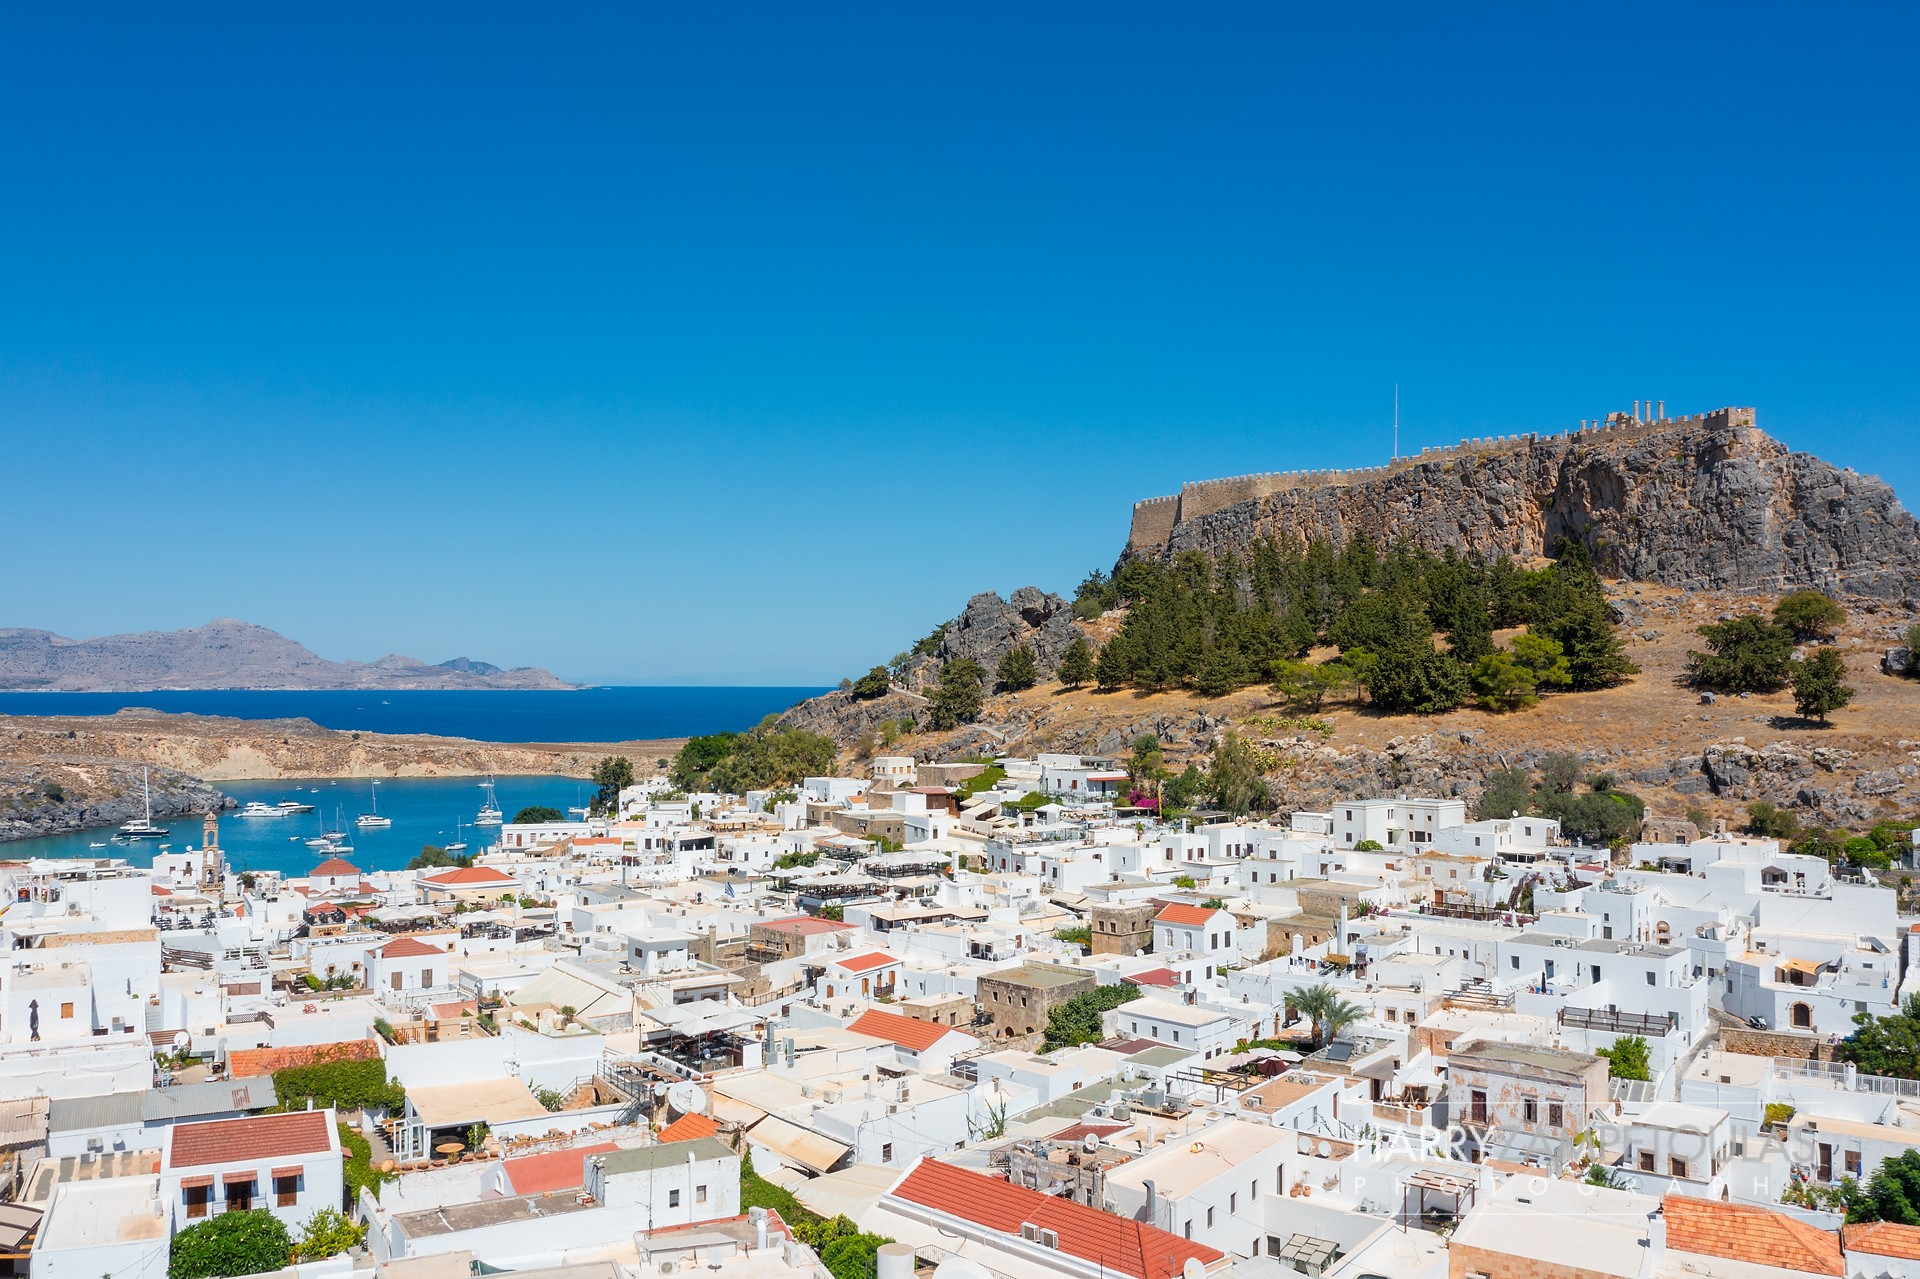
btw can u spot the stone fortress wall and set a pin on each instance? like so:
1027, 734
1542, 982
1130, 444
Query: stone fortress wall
1156, 518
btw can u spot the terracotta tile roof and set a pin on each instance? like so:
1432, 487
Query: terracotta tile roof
1757, 1236
469, 876
1113, 1242
555, 1170
863, 963
408, 948
1882, 1238
895, 1029
332, 868
229, 1141
805, 925
1080, 1132
1156, 977
689, 1128
245, 1062
161, 892
1184, 915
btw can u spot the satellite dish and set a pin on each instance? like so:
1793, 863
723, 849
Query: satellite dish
1326, 1150
1193, 1268
686, 1098
181, 1040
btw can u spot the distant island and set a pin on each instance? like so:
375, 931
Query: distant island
226, 653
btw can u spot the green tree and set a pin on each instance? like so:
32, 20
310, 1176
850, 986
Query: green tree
1747, 654
1509, 791
1544, 656
1077, 1021
1502, 683
1306, 685
1234, 782
1892, 1193
1076, 664
328, 1233
1810, 615
1369, 846
1768, 822
1416, 679
1181, 791
1627, 1059
1017, 670
1820, 685
929, 644
612, 774
233, 1243
1602, 816
1147, 765
695, 761
1326, 1010
1887, 1045
533, 814
1560, 771
769, 756
958, 694
869, 686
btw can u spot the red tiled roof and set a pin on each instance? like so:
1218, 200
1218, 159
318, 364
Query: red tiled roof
1882, 1238
161, 892
1156, 977
556, 1170
408, 948
228, 1141
1114, 1242
1758, 1236
245, 1062
1080, 1132
332, 868
689, 1128
805, 925
466, 875
1184, 915
862, 963
895, 1029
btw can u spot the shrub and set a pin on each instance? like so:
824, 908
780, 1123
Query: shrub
534, 814
869, 686
328, 1233
345, 1085
1627, 1059
233, 1243
1078, 1020
1810, 615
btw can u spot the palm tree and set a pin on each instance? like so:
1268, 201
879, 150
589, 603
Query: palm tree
1327, 1010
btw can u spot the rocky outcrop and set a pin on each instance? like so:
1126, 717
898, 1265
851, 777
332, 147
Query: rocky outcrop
52, 797
227, 654
1707, 502
989, 626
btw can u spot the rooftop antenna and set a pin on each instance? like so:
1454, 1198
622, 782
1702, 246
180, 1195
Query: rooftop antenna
1396, 421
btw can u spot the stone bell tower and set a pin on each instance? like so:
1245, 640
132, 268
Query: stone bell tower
213, 871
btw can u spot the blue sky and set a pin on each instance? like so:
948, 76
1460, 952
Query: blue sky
779, 330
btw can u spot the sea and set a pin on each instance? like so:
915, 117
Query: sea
424, 810
611, 714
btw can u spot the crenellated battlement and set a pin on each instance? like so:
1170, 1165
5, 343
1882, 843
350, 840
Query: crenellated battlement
1155, 518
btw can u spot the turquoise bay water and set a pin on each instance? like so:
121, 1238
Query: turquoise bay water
620, 714
423, 809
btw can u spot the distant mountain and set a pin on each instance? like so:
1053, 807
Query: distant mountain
226, 653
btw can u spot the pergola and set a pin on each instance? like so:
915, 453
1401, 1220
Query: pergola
1431, 1181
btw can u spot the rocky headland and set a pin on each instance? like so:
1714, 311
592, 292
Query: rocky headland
223, 654
67, 773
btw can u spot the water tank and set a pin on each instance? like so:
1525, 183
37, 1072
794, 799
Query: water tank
893, 1261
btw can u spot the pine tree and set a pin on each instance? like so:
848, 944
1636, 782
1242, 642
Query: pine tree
1076, 664
1017, 669
1820, 685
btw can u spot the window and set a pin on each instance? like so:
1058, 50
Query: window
1187, 1230
396, 983
286, 1190
886, 1153
1853, 1163
1556, 1115
1530, 1110
1646, 1161
1676, 1167
240, 1195
199, 1200
673, 1199
1516, 961
699, 1194
1233, 1203
1650, 977
66, 1012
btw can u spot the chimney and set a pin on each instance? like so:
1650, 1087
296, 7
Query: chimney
1150, 1202
759, 1218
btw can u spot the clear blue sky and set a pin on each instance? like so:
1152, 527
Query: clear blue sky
402, 327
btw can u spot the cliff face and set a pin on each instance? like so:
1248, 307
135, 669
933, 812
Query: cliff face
1705, 502
226, 654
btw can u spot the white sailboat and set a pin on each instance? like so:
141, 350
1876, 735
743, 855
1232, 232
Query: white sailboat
143, 827
373, 820
489, 814
458, 845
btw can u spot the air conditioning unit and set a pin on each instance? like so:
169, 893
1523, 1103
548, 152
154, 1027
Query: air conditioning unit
1029, 1232
1050, 1239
